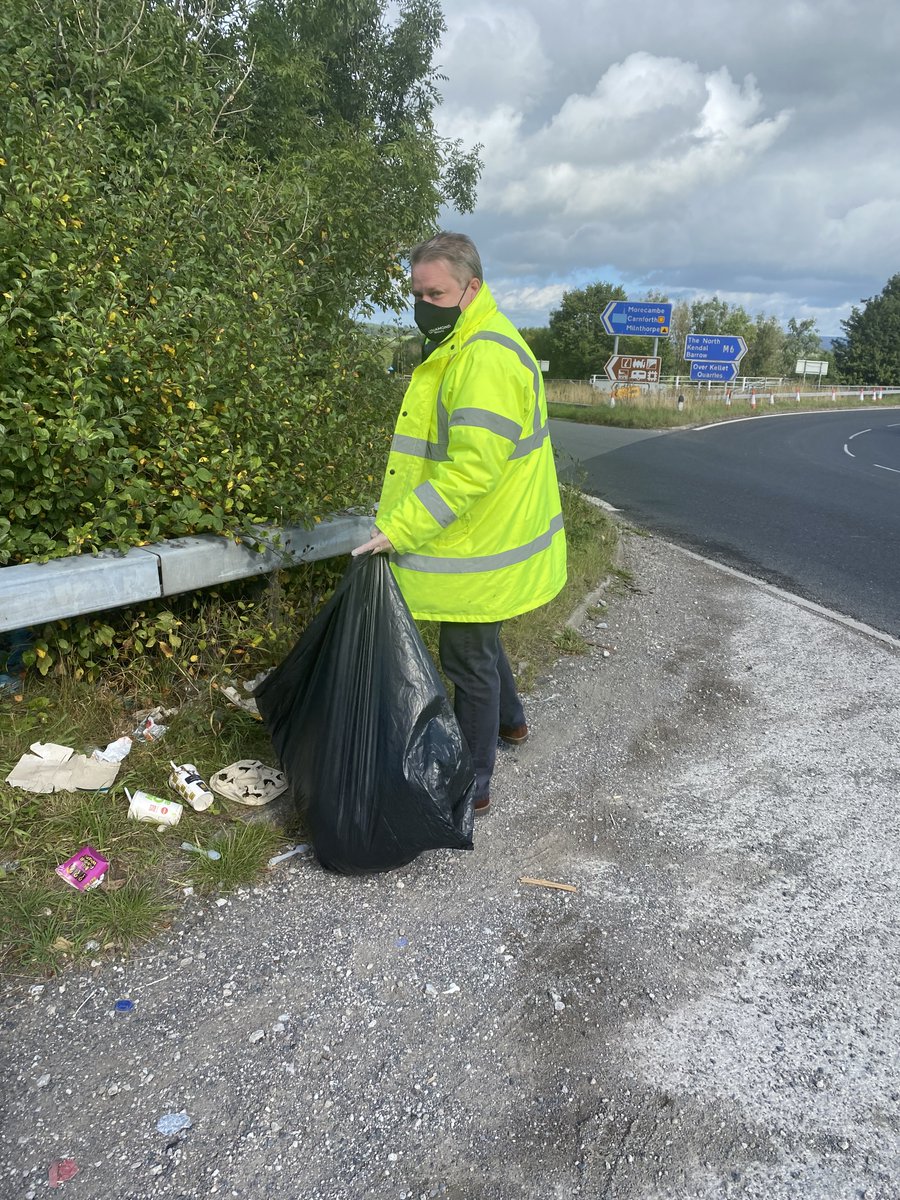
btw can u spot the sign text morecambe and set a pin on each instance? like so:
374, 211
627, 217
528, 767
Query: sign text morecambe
633, 368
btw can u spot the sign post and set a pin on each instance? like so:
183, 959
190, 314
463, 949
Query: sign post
633, 368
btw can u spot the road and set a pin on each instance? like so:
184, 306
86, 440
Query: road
810, 501
713, 1013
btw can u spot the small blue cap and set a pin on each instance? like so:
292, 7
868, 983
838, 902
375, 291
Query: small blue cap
124, 1005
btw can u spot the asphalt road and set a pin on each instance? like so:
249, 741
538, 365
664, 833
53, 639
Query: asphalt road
713, 1013
810, 501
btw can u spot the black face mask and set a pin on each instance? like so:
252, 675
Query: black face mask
434, 322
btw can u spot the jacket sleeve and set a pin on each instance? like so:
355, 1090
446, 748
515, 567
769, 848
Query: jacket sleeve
487, 405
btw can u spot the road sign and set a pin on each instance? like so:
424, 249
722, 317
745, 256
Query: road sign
633, 368
811, 366
633, 318
717, 372
714, 347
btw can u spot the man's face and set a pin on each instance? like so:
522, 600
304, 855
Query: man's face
436, 283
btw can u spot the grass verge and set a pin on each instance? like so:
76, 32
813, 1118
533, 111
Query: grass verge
592, 408
44, 923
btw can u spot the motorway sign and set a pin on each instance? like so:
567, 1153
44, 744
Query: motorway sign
714, 347
633, 318
633, 368
718, 372
811, 366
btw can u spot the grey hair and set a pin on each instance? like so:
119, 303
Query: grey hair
456, 249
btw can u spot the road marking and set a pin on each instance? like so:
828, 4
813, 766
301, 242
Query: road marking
858, 432
809, 412
881, 468
810, 605
847, 450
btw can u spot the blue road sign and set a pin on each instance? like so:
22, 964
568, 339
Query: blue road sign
633, 318
714, 347
718, 372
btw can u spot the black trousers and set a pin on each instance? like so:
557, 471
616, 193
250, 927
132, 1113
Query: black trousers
485, 695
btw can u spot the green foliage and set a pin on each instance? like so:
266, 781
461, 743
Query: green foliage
801, 341
712, 315
239, 627
869, 351
194, 202
580, 345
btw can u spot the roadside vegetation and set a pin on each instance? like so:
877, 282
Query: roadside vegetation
569, 400
233, 633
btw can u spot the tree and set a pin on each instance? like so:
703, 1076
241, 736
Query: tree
195, 200
869, 352
718, 316
765, 352
580, 345
801, 341
540, 339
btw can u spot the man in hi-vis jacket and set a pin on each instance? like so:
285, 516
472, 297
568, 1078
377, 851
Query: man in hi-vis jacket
470, 509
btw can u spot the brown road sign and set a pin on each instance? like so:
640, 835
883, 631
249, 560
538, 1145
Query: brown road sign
633, 368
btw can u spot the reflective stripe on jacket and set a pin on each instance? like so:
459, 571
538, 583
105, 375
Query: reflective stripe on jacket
470, 499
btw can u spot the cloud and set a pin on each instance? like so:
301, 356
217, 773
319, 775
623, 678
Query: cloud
747, 149
652, 130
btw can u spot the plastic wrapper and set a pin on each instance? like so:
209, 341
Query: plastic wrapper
366, 736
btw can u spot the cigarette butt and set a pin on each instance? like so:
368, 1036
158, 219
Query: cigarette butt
549, 883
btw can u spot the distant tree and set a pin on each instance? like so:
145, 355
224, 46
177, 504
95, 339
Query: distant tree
765, 353
869, 352
540, 339
718, 316
580, 345
801, 341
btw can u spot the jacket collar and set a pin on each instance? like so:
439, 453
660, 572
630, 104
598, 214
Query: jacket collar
474, 316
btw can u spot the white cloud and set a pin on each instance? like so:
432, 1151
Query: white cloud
747, 149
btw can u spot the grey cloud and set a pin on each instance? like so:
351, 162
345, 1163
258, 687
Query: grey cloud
746, 148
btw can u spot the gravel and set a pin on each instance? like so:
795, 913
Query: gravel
714, 1012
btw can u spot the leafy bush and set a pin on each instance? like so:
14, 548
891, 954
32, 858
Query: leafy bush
179, 269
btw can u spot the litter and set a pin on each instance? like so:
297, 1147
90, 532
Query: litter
549, 883
234, 697
305, 848
7, 868
114, 752
123, 1006
144, 807
84, 870
62, 1171
451, 990
213, 854
187, 782
171, 1123
363, 728
249, 781
150, 726
10, 685
52, 768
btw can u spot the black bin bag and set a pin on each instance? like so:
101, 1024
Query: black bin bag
366, 736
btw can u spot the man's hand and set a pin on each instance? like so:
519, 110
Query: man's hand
377, 544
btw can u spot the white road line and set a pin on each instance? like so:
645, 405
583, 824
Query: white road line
847, 450
808, 412
799, 601
858, 432
881, 468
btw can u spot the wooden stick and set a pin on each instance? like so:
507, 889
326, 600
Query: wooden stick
548, 883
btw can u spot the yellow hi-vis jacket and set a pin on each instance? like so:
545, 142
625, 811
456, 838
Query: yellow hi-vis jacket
470, 500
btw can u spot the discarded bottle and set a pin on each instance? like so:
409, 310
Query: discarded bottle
187, 782
212, 854
144, 807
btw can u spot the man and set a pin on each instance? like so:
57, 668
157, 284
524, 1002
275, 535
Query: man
470, 508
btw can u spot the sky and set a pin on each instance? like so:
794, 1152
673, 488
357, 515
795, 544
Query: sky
749, 150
